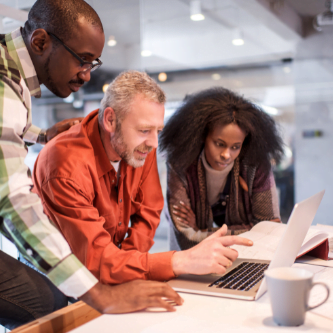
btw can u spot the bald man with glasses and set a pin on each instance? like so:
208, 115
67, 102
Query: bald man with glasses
31, 56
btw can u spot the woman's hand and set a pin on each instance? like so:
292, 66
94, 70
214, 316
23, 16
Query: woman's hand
184, 214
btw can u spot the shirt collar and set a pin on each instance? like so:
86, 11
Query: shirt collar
103, 164
19, 53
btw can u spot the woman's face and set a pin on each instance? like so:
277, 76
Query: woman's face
223, 144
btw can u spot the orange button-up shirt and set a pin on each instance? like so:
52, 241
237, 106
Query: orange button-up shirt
77, 185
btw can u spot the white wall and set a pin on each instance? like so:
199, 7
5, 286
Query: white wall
314, 111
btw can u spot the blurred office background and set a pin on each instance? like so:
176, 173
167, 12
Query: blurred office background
278, 53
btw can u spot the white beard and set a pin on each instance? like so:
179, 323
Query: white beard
120, 147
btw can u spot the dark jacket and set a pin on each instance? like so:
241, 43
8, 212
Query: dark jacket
252, 199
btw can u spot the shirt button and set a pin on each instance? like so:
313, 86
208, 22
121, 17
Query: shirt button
112, 181
119, 223
121, 200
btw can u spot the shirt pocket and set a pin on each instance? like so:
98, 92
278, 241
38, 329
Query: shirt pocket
136, 201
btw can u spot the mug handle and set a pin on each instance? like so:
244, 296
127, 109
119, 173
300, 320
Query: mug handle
328, 294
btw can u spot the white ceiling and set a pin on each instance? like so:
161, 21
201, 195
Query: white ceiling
178, 43
273, 30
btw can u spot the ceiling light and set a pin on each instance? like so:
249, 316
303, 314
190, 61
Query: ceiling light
324, 19
269, 109
78, 104
105, 87
195, 9
112, 41
69, 99
216, 76
237, 38
287, 69
238, 42
146, 53
197, 17
162, 77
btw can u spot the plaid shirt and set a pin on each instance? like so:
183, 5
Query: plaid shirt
21, 213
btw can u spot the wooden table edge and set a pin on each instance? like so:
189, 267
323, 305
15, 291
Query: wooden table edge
61, 321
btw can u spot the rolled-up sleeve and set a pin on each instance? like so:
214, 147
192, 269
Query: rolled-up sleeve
24, 222
72, 209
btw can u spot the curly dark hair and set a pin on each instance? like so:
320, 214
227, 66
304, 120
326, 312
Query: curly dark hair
184, 135
59, 17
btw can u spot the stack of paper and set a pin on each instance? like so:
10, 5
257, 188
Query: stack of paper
266, 236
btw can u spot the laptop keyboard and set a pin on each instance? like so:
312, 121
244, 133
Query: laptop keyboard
243, 277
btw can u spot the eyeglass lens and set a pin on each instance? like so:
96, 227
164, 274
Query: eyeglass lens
93, 66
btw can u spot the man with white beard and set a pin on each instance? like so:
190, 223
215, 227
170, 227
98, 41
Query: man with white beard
105, 196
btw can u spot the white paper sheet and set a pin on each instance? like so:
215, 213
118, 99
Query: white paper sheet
266, 236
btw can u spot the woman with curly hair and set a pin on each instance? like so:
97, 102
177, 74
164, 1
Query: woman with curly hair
219, 150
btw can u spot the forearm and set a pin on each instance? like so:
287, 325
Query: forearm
37, 239
23, 219
176, 197
118, 266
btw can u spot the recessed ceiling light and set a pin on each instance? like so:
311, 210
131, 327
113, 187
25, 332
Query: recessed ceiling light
105, 87
195, 9
197, 17
112, 41
238, 42
162, 77
216, 76
237, 37
287, 69
146, 53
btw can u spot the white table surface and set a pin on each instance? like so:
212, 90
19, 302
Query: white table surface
209, 314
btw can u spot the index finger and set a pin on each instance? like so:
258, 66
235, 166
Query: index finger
164, 290
188, 208
232, 240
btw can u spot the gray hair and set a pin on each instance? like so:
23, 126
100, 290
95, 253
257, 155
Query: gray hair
123, 89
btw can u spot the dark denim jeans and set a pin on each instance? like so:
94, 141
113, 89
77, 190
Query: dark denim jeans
25, 294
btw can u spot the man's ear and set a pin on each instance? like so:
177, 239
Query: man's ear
40, 42
109, 120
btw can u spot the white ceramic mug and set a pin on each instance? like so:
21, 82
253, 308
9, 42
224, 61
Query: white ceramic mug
289, 290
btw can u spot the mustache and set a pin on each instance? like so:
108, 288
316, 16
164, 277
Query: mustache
78, 81
145, 150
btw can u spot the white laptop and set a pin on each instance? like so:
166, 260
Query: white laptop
245, 278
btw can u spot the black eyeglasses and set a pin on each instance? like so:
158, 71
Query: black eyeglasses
85, 65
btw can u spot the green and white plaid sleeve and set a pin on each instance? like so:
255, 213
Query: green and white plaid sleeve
23, 220
32, 133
